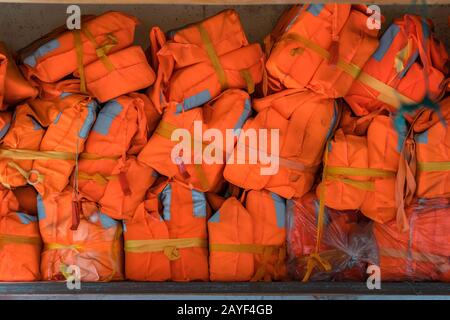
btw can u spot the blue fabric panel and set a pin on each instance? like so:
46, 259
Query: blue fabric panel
41, 51
315, 9
280, 209
89, 121
4, 130
422, 137
199, 204
215, 217
244, 115
385, 42
107, 222
26, 218
106, 117
41, 208
194, 101
166, 199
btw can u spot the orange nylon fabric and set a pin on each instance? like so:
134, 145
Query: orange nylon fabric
422, 254
120, 132
201, 60
55, 56
131, 73
305, 121
171, 211
433, 152
228, 111
307, 42
13, 86
374, 159
95, 246
71, 119
247, 243
409, 59
20, 244
25, 133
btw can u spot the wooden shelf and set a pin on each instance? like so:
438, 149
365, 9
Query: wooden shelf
222, 2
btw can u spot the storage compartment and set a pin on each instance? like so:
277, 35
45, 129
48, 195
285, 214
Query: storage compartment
21, 23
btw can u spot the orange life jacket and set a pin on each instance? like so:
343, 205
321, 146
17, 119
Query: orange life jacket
248, 243
108, 172
201, 60
360, 171
305, 121
127, 71
228, 111
166, 239
20, 242
71, 119
62, 52
408, 63
313, 45
25, 134
85, 238
346, 246
432, 141
13, 86
422, 253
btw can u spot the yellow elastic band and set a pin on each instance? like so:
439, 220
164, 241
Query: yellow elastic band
387, 93
213, 56
79, 51
360, 172
97, 177
102, 50
433, 166
23, 154
59, 246
242, 248
13, 239
362, 185
168, 246
247, 76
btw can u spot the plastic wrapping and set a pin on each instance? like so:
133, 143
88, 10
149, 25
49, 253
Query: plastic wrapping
423, 252
347, 244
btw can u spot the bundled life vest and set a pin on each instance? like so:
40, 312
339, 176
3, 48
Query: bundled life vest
346, 244
180, 160
20, 242
201, 60
408, 64
321, 47
432, 146
126, 71
13, 86
70, 121
62, 52
166, 239
248, 243
22, 139
304, 121
423, 253
108, 172
360, 171
85, 238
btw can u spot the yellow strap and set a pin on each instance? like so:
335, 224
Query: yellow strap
23, 154
415, 255
102, 50
387, 94
360, 172
79, 51
168, 246
13, 239
93, 156
59, 246
242, 248
165, 130
247, 76
362, 185
213, 56
433, 166
315, 260
97, 177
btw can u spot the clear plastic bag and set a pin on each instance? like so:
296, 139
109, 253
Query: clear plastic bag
347, 245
